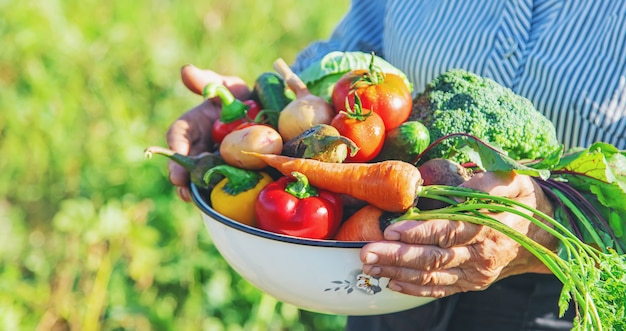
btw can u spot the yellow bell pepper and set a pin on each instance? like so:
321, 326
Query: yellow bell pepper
236, 194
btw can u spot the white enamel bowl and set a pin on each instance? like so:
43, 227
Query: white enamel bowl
316, 275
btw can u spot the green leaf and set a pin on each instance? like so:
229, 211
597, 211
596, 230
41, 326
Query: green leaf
550, 161
321, 76
601, 171
490, 158
615, 221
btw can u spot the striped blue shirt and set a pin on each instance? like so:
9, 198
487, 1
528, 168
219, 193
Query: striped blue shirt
568, 57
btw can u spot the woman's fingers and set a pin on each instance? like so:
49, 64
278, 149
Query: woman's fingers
443, 233
428, 270
431, 282
419, 257
463, 266
190, 135
437, 258
195, 79
506, 184
178, 140
487, 257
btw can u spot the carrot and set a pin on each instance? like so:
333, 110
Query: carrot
389, 185
364, 225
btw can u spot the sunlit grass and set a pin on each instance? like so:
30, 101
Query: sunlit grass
92, 236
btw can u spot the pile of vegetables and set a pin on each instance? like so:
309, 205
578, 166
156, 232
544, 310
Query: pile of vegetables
360, 153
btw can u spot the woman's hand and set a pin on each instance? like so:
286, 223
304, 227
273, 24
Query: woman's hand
437, 258
190, 134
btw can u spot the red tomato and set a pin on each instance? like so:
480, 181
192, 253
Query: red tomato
385, 93
365, 128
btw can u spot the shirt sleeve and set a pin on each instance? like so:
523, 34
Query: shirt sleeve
361, 29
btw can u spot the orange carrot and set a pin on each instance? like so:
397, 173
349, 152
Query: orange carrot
389, 185
364, 225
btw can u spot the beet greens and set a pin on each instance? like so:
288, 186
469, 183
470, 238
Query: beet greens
588, 189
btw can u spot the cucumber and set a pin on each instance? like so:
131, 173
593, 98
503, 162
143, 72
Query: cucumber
405, 142
269, 90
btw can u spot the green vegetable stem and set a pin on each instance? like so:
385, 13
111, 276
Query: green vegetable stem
196, 165
588, 187
232, 109
595, 279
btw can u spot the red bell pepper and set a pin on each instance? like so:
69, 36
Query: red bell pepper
291, 206
234, 112
220, 129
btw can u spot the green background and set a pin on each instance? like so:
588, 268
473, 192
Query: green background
92, 235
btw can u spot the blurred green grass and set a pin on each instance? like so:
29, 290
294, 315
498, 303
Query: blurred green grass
92, 236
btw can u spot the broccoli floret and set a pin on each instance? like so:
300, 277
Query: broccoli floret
459, 101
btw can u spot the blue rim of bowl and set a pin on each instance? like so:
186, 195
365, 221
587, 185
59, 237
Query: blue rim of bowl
199, 200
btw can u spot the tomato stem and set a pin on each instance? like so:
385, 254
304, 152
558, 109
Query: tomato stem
356, 112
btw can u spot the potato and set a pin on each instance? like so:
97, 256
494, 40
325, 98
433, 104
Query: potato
305, 111
256, 138
302, 114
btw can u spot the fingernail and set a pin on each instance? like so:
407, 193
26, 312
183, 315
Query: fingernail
394, 287
371, 258
392, 235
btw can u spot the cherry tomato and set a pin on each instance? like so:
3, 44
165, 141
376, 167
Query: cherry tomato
385, 93
365, 127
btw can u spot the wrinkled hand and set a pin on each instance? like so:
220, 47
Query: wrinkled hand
437, 258
190, 134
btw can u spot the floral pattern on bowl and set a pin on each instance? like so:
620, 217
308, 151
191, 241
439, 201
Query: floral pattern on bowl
357, 279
